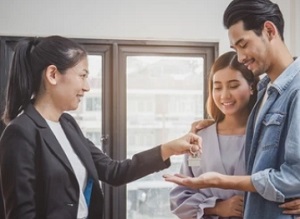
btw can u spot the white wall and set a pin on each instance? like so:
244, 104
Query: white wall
189, 20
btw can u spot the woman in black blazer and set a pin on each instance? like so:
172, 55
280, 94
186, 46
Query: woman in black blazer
48, 169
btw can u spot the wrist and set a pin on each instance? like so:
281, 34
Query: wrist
165, 151
218, 181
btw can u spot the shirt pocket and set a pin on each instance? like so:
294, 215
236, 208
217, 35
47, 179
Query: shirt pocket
271, 130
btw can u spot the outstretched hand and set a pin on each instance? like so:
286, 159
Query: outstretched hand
186, 144
206, 180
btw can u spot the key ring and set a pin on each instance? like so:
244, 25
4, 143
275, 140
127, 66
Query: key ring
194, 153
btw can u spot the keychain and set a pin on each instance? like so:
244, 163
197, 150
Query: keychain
194, 158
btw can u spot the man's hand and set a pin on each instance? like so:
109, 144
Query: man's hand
206, 180
201, 124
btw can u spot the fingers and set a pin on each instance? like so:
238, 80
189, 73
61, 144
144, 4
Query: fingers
173, 179
292, 207
166, 176
176, 175
180, 179
193, 127
180, 175
204, 123
238, 205
291, 211
195, 149
196, 143
291, 204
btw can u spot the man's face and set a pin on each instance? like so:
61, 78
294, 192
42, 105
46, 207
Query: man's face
252, 50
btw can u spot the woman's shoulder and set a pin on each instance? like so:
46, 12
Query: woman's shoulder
207, 130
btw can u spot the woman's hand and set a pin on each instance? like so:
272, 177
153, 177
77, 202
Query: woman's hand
231, 207
291, 207
186, 144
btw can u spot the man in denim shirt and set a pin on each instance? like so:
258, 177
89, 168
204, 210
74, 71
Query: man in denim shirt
255, 30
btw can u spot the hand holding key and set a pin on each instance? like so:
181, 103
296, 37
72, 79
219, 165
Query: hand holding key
186, 144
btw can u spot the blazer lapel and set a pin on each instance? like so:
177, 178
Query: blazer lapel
80, 147
48, 136
55, 147
73, 136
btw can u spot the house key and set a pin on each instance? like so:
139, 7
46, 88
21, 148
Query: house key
194, 159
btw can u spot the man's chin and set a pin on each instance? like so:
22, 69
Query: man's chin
257, 72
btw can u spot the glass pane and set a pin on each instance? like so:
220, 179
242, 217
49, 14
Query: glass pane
164, 96
89, 113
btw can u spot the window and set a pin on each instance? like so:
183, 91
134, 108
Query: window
168, 88
162, 90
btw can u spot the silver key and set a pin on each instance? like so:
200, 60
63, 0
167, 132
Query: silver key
194, 160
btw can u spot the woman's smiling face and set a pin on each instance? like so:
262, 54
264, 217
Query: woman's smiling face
231, 91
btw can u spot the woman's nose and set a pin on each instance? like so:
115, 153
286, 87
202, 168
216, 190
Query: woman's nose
225, 93
86, 86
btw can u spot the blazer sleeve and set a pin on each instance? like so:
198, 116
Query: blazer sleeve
115, 172
17, 172
118, 172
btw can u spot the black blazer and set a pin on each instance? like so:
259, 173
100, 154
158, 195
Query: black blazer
37, 180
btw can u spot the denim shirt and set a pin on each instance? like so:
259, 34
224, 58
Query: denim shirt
273, 146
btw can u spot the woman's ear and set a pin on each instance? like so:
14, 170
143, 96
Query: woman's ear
51, 74
251, 89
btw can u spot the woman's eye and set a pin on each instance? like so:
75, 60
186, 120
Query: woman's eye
234, 86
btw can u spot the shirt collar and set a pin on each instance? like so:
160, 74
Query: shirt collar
284, 79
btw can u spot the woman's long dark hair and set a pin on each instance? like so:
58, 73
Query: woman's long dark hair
32, 56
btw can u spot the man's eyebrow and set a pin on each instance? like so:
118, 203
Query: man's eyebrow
236, 43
